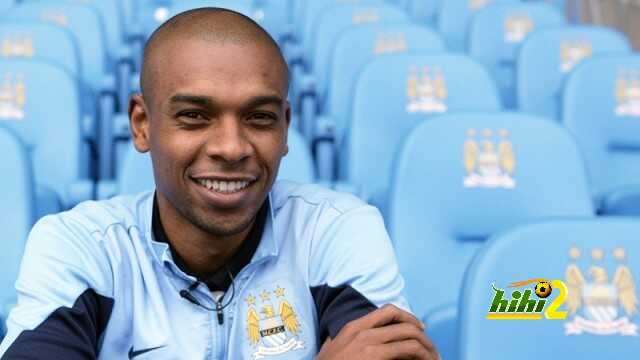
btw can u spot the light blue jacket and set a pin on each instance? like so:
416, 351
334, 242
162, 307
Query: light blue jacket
94, 283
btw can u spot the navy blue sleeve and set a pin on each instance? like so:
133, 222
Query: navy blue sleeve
65, 294
68, 333
353, 270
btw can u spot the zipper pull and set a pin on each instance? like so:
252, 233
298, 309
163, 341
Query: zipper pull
219, 311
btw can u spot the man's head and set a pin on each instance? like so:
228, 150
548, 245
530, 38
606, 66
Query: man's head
214, 116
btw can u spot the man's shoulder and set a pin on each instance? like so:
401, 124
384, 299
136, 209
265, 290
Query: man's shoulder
313, 197
97, 217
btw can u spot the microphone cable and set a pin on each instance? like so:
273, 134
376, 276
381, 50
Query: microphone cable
187, 295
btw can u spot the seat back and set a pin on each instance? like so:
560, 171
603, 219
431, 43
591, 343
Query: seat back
17, 208
598, 261
359, 45
34, 39
392, 95
334, 20
41, 102
86, 25
460, 178
496, 33
454, 18
604, 118
548, 55
312, 10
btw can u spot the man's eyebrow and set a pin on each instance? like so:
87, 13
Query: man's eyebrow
191, 99
264, 100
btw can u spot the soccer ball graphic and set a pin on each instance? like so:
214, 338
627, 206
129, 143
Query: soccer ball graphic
543, 289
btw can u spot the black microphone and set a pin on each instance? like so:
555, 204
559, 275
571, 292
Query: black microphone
187, 295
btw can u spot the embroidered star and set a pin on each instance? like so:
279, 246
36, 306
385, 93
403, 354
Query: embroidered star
264, 295
279, 292
251, 300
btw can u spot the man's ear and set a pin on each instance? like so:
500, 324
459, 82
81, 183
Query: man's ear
139, 123
287, 114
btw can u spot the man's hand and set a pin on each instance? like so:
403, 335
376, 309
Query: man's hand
385, 334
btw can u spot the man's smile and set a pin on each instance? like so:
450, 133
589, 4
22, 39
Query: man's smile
227, 192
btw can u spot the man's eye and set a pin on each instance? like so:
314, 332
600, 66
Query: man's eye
191, 116
263, 118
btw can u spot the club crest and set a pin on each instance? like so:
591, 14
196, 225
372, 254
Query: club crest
426, 91
627, 93
17, 45
390, 43
272, 327
12, 97
516, 27
572, 52
597, 304
489, 163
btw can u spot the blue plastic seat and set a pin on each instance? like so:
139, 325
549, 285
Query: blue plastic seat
41, 102
604, 120
328, 27
454, 19
549, 55
496, 33
87, 26
355, 48
393, 94
598, 261
136, 171
462, 177
17, 213
29, 39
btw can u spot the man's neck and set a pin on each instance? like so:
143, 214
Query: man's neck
201, 252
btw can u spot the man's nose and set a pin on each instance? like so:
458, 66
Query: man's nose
228, 141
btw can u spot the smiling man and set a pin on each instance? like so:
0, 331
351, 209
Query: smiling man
218, 262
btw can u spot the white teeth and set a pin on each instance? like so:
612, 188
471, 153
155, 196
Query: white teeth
226, 187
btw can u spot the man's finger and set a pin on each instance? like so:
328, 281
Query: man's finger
387, 314
407, 349
399, 332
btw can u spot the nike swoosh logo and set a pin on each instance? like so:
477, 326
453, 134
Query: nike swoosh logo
133, 354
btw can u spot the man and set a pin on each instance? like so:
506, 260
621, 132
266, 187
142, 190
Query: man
218, 262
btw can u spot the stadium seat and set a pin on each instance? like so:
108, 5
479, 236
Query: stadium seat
441, 327
496, 33
548, 55
18, 213
392, 95
354, 49
29, 39
462, 177
454, 18
329, 25
604, 120
136, 171
598, 262
87, 27
41, 102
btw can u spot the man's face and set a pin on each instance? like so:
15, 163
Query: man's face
217, 121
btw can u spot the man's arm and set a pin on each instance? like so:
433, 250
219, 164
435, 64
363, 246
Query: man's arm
387, 333
353, 272
64, 294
